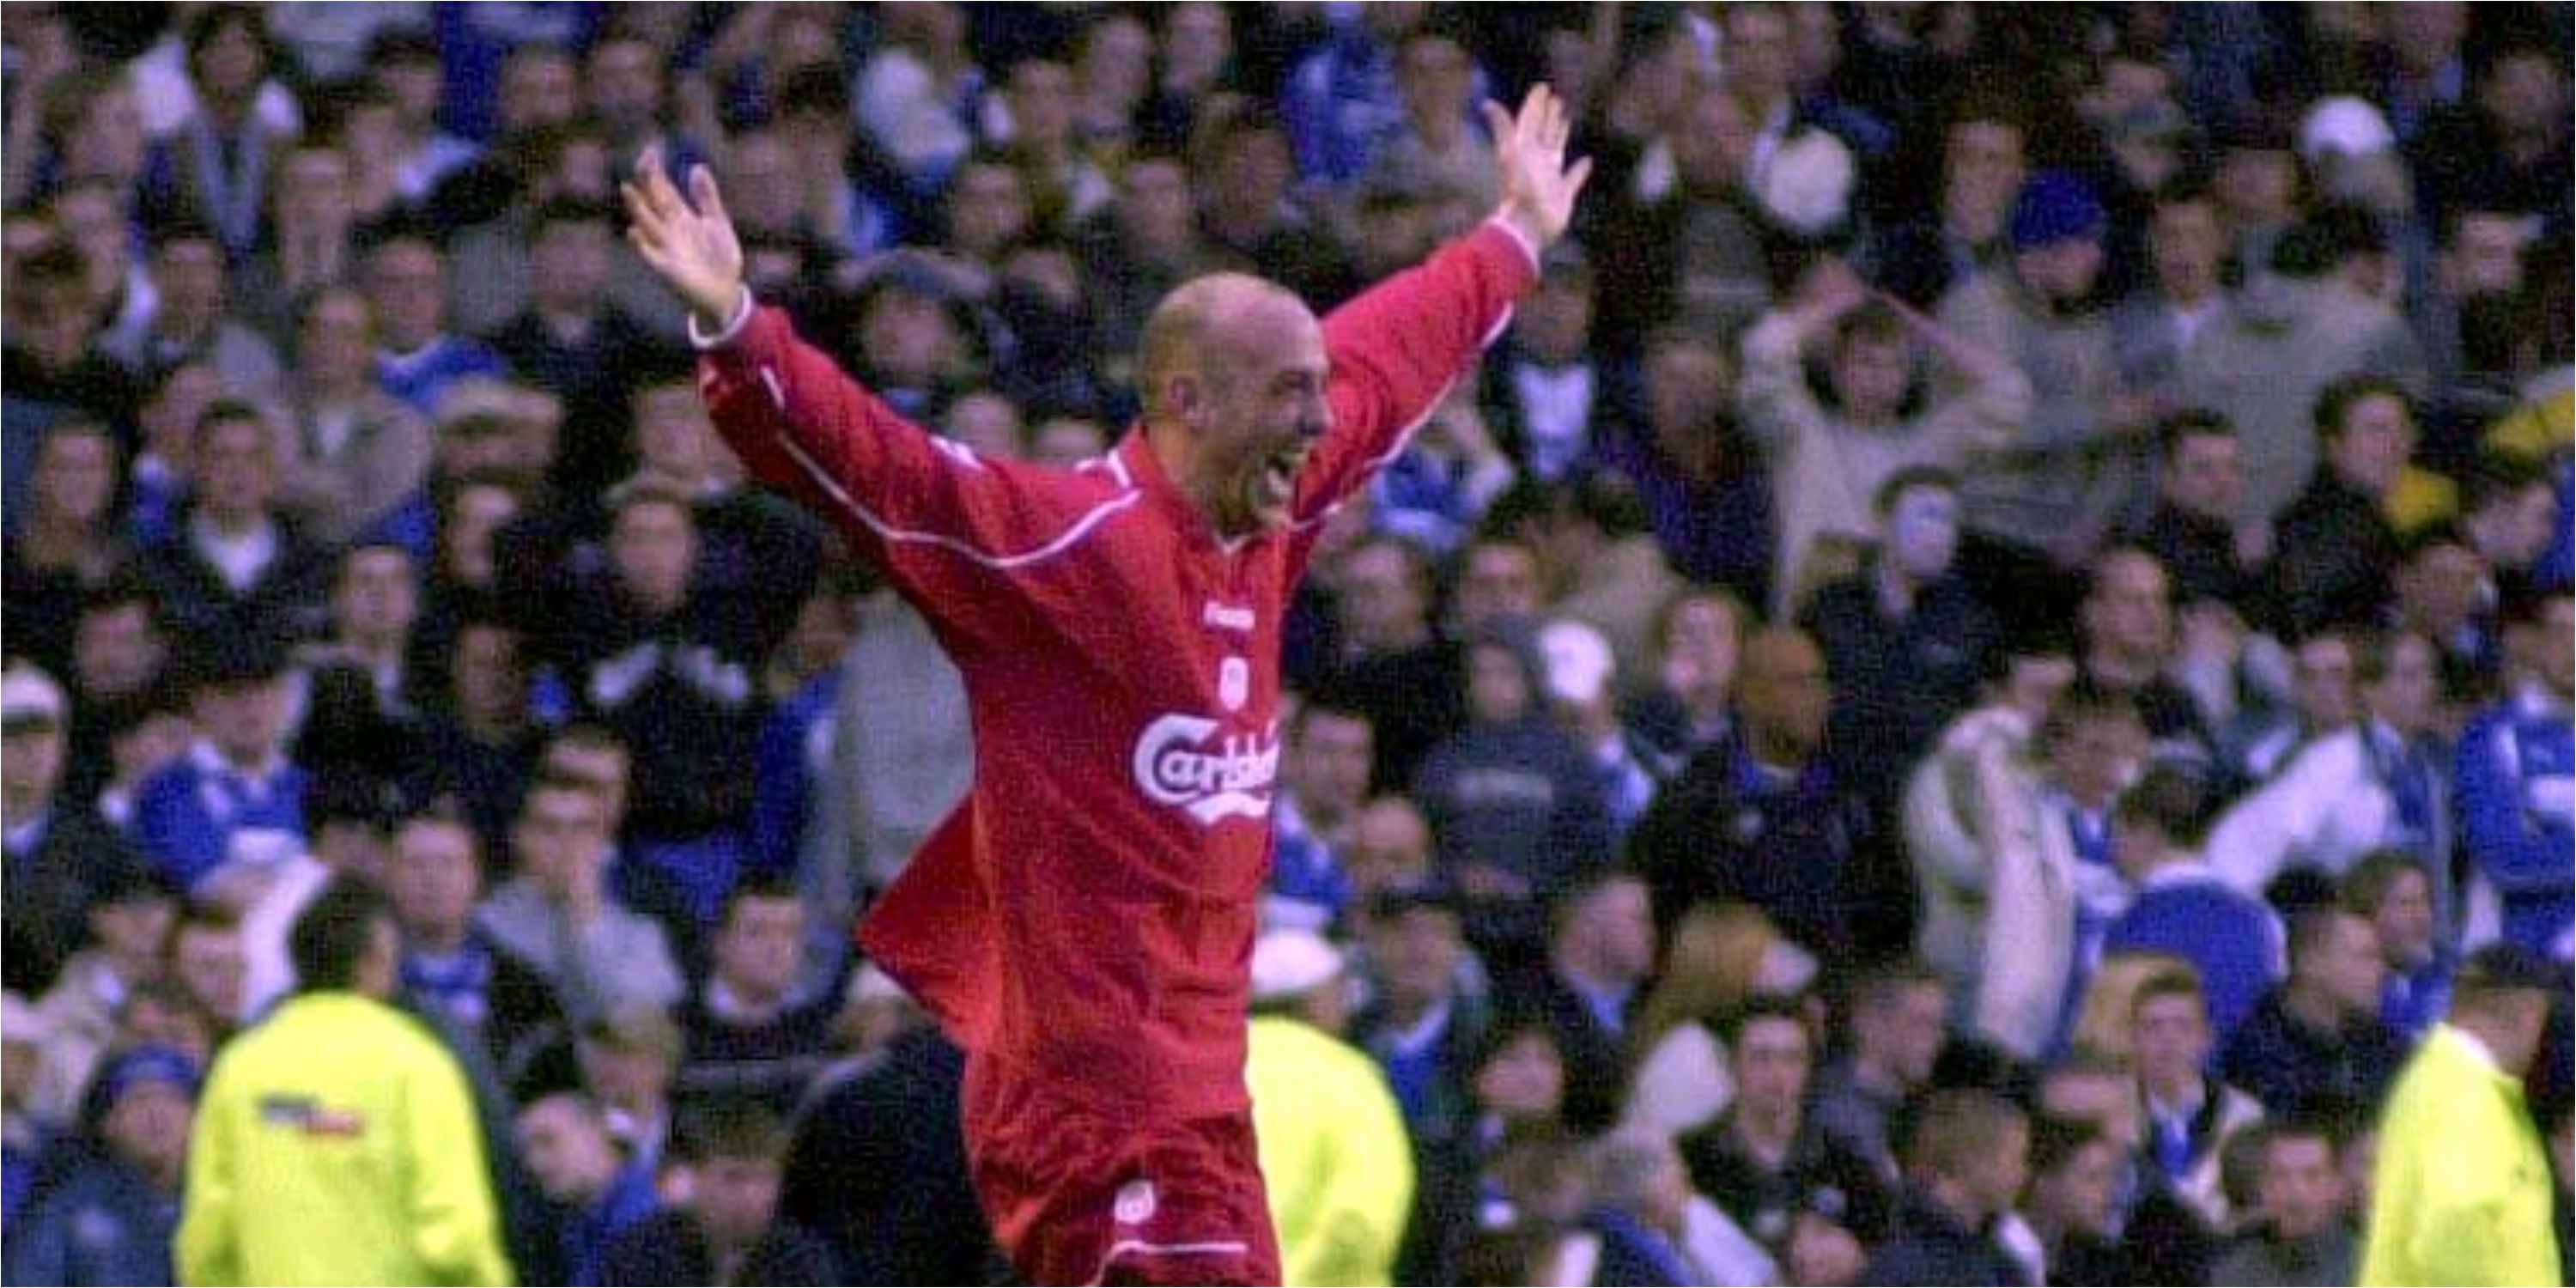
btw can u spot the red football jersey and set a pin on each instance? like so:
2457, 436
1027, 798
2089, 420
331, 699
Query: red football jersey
1086, 916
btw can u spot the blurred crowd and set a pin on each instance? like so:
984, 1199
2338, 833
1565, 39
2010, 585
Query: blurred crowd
1948, 707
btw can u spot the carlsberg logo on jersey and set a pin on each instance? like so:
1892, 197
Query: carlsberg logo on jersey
1175, 766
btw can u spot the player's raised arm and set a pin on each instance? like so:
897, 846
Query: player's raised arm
945, 523
1401, 344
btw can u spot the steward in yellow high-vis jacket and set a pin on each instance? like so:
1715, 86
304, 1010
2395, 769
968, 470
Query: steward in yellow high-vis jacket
2462, 1193
336, 1141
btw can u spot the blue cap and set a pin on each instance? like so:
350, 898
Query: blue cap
2055, 206
146, 1064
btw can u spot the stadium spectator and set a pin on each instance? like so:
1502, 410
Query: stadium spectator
751, 1033
352, 451
1966, 1159
1654, 1227
1516, 816
2338, 552
2187, 1117
2198, 529
727, 1228
878, 1164
1718, 959
1905, 642
1336, 1159
110, 1216
2392, 888
1895, 1025
236, 566
419, 357
2347, 793
599, 1192
2512, 822
2319, 1034
2302, 1231
1836, 455
559, 915
79, 1016
69, 540
1697, 466
2041, 499
60, 855
1810, 1201
1600, 951
271, 1192
1544, 391
220, 820
1686, 695
1426, 1018
1773, 821
2231, 939
450, 964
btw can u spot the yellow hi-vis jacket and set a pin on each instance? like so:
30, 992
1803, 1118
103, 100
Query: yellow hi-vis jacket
2462, 1192
1335, 1155
336, 1143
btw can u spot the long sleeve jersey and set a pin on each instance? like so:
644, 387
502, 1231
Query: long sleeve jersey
1086, 916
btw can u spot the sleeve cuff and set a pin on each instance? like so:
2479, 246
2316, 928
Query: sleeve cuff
724, 335
1518, 238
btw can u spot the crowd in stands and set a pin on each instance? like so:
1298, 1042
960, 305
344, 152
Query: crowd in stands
1946, 709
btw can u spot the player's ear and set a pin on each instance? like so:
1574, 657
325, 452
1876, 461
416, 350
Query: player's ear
1187, 397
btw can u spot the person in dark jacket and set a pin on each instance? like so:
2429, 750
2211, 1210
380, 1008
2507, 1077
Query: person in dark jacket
1965, 1162
2195, 529
1904, 640
1601, 950
750, 1031
60, 854
2319, 1034
1770, 819
2338, 551
1766, 1160
237, 566
671, 659
1514, 809
112, 1214
727, 1230
877, 1167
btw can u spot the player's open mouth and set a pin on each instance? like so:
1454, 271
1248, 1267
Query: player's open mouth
1279, 474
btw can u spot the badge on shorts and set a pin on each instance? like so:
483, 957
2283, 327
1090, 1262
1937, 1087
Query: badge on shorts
1135, 1204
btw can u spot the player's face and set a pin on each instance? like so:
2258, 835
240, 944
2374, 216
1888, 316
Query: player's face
1266, 408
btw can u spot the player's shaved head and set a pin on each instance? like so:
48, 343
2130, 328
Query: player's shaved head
1205, 325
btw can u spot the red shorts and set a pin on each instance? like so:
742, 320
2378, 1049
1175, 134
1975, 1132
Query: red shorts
1077, 1197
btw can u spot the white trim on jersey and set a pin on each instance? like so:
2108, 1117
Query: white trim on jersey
885, 531
1125, 1247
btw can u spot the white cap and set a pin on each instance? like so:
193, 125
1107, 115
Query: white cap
1578, 658
1808, 184
1290, 963
29, 694
2347, 125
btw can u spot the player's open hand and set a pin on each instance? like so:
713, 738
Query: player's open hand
689, 241
1529, 156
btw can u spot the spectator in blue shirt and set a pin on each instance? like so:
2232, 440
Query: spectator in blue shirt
232, 809
419, 357
2393, 890
2517, 792
2181, 907
599, 1192
111, 1215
